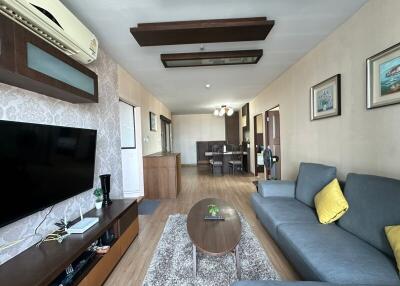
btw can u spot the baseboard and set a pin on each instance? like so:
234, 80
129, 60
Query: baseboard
132, 194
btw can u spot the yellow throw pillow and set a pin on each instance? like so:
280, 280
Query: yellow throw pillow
330, 203
393, 235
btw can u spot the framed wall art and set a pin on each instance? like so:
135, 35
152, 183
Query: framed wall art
383, 78
325, 98
153, 121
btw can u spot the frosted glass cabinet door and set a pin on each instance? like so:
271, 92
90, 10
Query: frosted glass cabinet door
43, 62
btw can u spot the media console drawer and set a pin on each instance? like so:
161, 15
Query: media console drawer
129, 235
127, 218
99, 274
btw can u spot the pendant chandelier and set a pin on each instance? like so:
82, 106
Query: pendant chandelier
221, 111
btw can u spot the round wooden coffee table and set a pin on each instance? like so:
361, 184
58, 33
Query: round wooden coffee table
217, 237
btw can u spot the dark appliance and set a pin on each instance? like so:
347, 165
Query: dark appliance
41, 165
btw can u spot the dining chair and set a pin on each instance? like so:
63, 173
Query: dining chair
236, 162
217, 160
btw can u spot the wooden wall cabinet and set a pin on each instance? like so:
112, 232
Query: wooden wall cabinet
28, 62
246, 136
232, 129
162, 175
246, 119
7, 47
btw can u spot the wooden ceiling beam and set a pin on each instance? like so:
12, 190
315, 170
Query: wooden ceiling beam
202, 31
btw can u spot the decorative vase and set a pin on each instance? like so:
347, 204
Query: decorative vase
105, 185
99, 205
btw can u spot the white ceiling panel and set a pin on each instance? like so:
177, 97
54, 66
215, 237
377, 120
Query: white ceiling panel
299, 26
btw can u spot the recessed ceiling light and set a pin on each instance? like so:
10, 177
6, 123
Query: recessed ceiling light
208, 85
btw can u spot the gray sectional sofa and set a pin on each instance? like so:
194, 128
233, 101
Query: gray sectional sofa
354, 250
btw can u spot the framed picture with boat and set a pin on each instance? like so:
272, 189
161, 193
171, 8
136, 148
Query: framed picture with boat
325, 98
383, 78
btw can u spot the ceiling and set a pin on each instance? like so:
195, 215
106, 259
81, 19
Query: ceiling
299, 26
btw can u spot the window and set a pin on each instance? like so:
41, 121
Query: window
166, 134
127, 125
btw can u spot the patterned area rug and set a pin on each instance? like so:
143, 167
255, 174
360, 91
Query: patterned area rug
172, 262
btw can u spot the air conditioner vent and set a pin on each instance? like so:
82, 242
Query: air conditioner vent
48, 15
54, 23
37, 30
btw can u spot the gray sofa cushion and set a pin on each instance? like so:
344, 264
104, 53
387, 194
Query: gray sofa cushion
287, 283
274, 211
331, 254
274, 188
374, 202
311, 179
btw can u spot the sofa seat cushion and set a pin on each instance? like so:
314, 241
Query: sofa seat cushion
373, 204
274, 211
331, 254
312, 178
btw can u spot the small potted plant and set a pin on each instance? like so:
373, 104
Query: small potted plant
98, 193
213, 210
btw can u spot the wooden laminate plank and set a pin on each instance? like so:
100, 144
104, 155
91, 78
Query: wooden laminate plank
197, 184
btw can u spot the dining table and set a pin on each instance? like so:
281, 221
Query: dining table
227, 156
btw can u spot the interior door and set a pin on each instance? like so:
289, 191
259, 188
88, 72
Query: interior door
273, 138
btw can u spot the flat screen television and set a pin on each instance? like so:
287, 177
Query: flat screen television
41, 165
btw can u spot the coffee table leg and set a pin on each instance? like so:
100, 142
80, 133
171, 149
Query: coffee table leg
237, 261
194, 261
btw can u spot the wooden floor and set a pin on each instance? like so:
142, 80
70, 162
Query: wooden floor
197, 183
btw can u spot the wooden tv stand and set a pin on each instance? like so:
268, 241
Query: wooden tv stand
42, 265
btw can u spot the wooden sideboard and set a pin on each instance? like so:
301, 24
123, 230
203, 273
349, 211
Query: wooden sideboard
42, 265
162, 175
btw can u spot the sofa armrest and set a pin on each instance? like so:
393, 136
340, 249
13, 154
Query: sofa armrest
276, 188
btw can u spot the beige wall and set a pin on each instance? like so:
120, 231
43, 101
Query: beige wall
188, 129
361, 140
131, 91
260, 124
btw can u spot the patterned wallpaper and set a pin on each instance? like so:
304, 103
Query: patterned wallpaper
20, 105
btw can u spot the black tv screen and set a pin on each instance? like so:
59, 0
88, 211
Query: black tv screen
42, 165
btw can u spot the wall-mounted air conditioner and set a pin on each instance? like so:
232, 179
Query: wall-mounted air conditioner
53, 22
